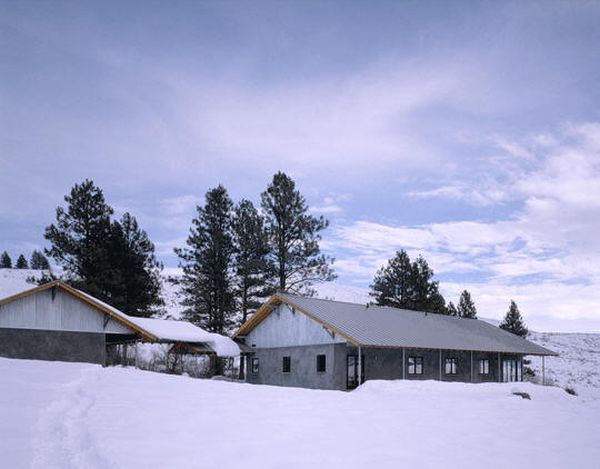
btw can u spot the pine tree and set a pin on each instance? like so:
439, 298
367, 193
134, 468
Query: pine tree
135, 280
5, 261
253, 270
452, 311
78, 240
113, 261
466, 306
294, 237
408, 285
206, 260
38, 261
513, 321
22, 263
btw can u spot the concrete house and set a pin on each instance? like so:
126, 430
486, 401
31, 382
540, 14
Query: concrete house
58, 322
323, 344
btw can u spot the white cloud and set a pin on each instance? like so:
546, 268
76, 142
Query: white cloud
546, 254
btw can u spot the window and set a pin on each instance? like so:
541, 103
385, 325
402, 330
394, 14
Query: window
287, 364
254, 365
484, 366
415, 365
451, 365
321, 363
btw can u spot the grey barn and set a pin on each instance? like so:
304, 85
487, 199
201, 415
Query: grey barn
58, 322
323, 344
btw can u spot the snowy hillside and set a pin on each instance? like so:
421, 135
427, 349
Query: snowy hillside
578, 363
59, 415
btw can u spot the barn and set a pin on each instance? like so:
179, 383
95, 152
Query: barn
323, 344
55, 321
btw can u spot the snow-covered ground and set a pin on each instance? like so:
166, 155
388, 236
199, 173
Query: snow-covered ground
59, 415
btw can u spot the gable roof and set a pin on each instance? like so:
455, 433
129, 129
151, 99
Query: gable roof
151, 329
104, 308
382, 326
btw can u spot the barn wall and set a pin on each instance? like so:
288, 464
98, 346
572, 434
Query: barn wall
61, 313
53, 345
379, 363
303, 371
286, 328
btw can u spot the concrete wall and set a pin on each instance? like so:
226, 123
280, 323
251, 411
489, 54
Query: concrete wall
53, 345
379, 363
285, 327
303, 372
61, 312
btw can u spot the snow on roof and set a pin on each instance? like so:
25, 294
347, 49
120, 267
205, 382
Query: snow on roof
182, 331
169, 330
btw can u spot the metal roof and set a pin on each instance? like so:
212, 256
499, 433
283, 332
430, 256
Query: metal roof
382, 326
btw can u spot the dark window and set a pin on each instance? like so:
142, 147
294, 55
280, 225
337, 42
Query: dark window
254, 365
415, 365
451, 366
287, 364
484, 366
321, 363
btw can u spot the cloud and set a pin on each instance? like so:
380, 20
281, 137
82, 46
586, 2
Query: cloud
545, 253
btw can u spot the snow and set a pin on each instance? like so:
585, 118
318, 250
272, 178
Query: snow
578, 363
13, 281
59, 415
182, 331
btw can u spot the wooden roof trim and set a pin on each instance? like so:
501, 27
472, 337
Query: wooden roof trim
266, 309
258, 317
73, 292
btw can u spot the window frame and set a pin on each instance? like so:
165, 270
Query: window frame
453, 362
254, 365
417, 366
286, 360
485, 364
324, 363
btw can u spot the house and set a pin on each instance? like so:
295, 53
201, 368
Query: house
58, 322
323, 344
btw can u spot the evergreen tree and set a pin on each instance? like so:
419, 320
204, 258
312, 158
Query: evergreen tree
5, 261
513, 321
113, 261
135, 280
207, 284
294, 237
466, 306
452, 311
22, 263
409, 285
253, 270
38, 261
78, 240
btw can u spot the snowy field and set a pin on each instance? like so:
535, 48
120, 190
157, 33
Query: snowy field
59, 415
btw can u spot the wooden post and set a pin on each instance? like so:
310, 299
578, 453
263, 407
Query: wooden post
471, 366
543, 370
403, 364
499, 369
359, 367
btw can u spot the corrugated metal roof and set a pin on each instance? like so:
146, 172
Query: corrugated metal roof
381, 326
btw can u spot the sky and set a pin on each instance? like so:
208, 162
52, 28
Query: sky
467, 132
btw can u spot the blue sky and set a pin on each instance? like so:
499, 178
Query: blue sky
468, 132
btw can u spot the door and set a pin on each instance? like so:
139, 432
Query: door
512, 370
352, 371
